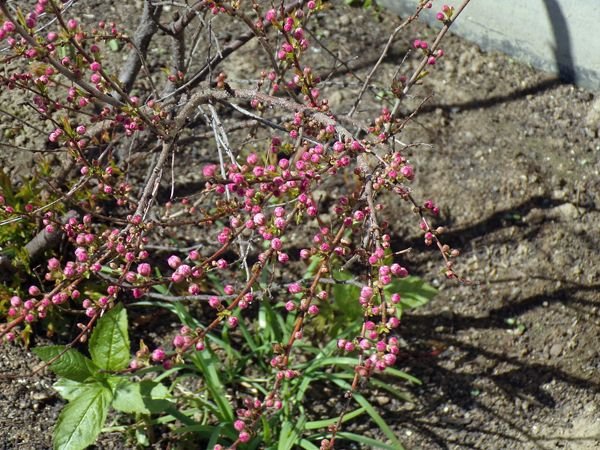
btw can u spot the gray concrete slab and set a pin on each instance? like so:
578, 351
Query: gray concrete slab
557, 36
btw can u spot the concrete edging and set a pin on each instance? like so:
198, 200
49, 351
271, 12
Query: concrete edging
556, 36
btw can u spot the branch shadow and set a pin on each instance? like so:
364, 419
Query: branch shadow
523, 382
463, 237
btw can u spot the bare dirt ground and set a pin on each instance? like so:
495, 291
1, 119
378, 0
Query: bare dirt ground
510, 361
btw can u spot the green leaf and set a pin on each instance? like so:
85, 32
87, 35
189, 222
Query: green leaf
144, 397
113, 44
69, 389
81, 421
71, 364
346, 296
109, 343
414, 291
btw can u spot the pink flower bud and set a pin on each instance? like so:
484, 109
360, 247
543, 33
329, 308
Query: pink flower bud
276, 244
33, 291
239, 425
294, 288
158, 355
407, 171
144, 269
271, 15
174, 261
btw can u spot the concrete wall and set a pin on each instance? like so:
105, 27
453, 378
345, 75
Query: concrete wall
559, 36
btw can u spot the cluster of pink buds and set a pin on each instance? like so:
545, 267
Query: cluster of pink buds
445, 15
435, 210
432, 57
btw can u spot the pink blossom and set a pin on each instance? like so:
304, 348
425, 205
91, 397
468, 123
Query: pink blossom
144, 269
53, 264
33, 290
8, 26
294, 288
158, 355
174, 261
271, 15
407, 171
276, 244
239, 425
244, 436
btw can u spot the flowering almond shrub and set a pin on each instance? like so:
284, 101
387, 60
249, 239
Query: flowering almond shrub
275, 259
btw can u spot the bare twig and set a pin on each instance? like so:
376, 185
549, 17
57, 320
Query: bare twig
383, 55
417, 73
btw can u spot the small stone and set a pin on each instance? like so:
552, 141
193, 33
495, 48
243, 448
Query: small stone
382, 400
344, 20
566, 211
335, 99
556, 350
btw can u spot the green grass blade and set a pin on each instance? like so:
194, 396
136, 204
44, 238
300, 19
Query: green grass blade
375, 416
369, 442
206, 363
307, 445
316, 424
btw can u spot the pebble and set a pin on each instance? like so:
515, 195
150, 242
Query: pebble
382, 400
344, 20
566, 211
556, 350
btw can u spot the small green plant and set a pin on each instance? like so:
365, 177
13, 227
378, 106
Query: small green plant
93, 384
